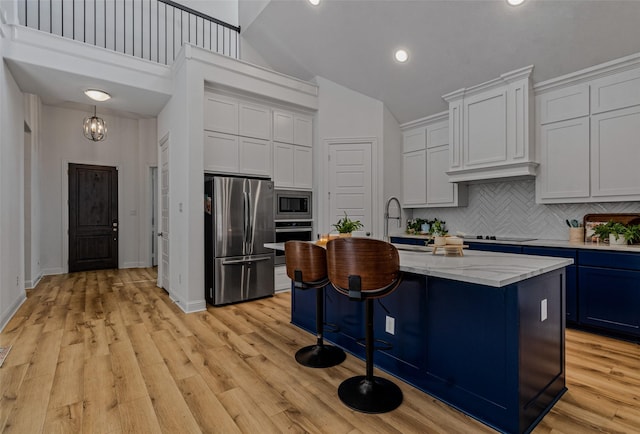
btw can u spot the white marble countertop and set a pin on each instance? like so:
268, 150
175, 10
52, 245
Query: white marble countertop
633, 248
483, 268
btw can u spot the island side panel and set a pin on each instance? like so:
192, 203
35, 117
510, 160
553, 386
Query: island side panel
542, 305
472, 350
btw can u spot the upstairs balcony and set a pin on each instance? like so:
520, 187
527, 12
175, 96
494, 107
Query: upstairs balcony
154, 30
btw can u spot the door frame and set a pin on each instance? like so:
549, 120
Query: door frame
322, 199
165, 140
65, 208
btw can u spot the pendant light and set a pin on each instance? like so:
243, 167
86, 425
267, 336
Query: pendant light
95, 128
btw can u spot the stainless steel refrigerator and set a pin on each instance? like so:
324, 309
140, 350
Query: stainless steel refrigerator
238, 220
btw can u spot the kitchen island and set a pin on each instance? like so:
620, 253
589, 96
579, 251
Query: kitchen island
483, 332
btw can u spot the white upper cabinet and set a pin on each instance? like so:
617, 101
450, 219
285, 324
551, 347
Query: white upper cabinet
425, 164
414, 179
615, 91
564, 161
292, 128
282, 127
255, 156
302, 130
292, 166
588, 134
615, 154
414, 140
255, 121
562, 104
489, 129
221, 152
244, 137
220, 113
440, 192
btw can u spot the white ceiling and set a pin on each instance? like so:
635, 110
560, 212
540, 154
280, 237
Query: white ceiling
452, 43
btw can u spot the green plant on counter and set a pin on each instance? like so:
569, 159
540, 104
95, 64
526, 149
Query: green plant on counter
345, 225
414, 226
438, 228
617, 229
603, 230
632, 234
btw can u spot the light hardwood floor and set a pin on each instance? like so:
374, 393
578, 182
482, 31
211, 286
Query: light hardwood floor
108, 352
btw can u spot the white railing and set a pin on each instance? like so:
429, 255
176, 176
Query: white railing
151, 29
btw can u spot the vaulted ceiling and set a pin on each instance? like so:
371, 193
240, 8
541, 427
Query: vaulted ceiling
452, 43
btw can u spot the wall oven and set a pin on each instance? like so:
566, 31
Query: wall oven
292, 231
292, 205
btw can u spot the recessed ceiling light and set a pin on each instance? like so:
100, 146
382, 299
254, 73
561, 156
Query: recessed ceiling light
515, 2
97, 95
401, 55
314, 2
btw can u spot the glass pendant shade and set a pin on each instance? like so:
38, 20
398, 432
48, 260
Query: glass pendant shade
95, 128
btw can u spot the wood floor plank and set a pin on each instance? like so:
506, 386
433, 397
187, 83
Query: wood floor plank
30, 408
11, 379
205, 406
100, 413
138, 416
170, 407
68, 381
109, 352
126, 371
66, 419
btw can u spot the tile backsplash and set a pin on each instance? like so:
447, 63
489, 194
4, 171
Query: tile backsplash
510, 209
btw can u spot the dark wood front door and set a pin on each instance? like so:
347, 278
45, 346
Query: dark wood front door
93, 217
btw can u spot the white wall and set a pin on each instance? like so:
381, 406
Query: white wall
64, 143
32, 220
344, 113
224, 10
392, 163
12, 293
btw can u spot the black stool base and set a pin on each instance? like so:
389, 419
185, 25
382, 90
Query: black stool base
377, 395
320, 356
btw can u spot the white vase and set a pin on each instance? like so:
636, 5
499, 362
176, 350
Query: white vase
621, 241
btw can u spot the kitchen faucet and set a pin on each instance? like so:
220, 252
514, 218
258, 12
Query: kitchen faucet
387, 217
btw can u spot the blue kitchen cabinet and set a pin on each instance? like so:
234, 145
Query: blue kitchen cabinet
490, 247
410, 241
571, 273
609, 296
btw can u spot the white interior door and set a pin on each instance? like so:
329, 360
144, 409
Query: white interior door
350, 184
154, 216
163, 251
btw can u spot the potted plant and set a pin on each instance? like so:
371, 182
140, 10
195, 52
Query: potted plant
345, 225
603, 230
632, 234
439, 232
616, 234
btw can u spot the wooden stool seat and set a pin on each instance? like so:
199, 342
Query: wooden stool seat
306, 266
364, 269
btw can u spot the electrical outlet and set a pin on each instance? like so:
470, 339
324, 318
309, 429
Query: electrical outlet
390, 325
543, 310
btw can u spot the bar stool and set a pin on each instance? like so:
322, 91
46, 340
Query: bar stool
307, 267
364, 269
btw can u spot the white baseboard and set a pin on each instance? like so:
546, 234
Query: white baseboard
52, 271
194, 306
6, 316
132, 265
30, 284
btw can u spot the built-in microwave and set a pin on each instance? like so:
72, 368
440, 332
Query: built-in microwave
293, 205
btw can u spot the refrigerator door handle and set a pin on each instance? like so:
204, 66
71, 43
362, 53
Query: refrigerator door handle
244, 261
245, 211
